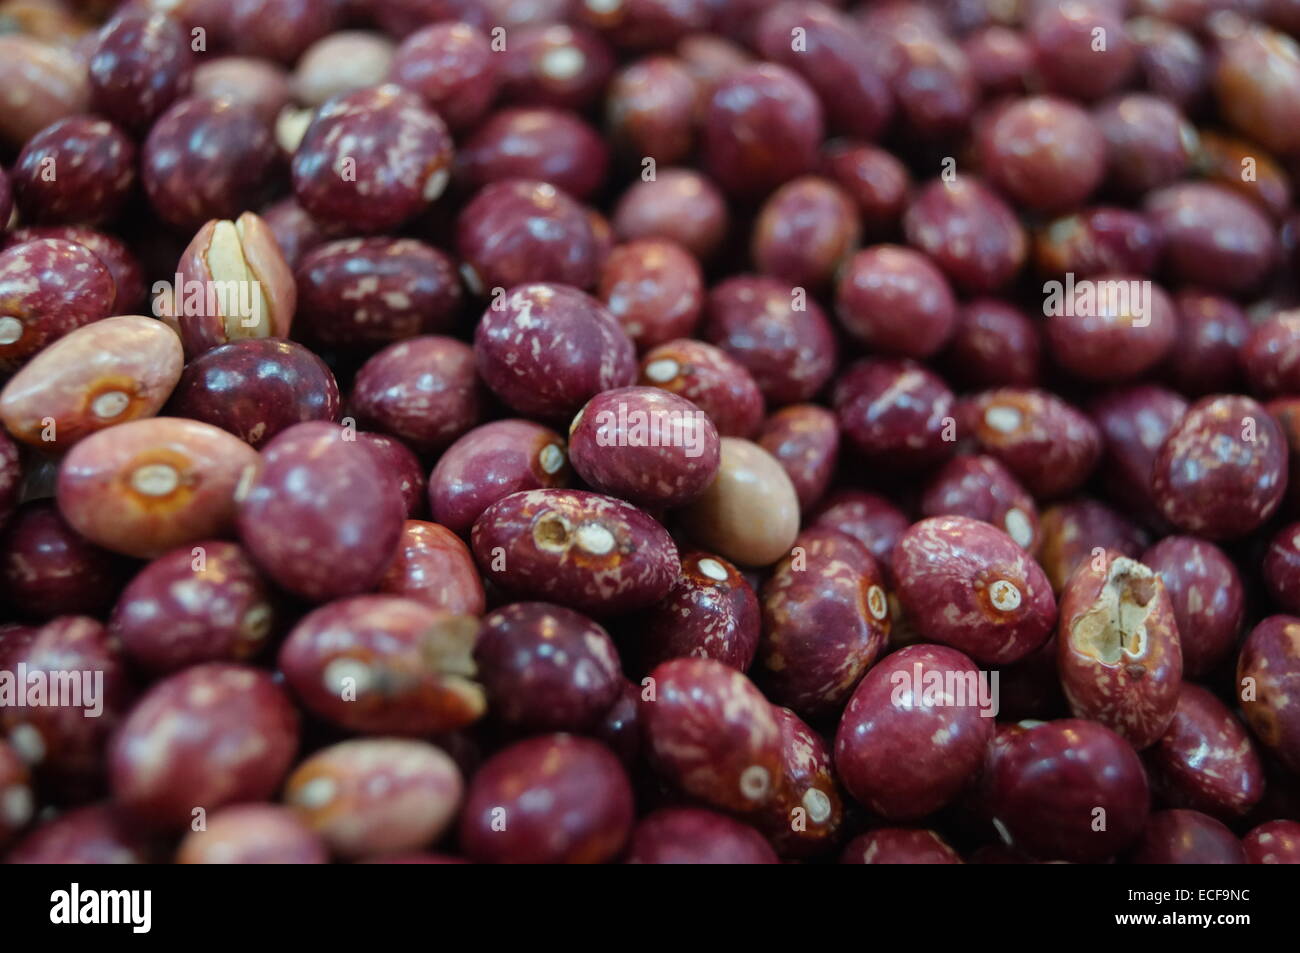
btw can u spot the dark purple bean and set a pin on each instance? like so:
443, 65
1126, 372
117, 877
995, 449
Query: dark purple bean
423, 391
586, 352
319, 515
546, 668
203, 603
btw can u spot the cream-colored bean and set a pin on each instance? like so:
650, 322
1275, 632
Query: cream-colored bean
103, 374
750, 513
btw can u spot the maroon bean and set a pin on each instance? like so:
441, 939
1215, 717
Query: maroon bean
620, 727
804, 231
874, 178
97, 834
318, 514
644, 445
48, 287
62, 735
825, 621
491, 462
260, 84
1114, 328
521, 231
1255, 80
896, 302
81, 170
1066, 52
1050, 783
711, 612
1134, 422
42, 84
588, 552
253, 834
452, 67
256, 388
202, 603
1276, 842
545, 145
139, 64
692, 835
1207, 596
871, 519
711, 379
968, 231
435, 567
1047, 444
1096, 241
931, 80
1206, 761
422, 390
712, 734
1212, 236
546, 668
1046, 153
148, 486
1187, 837
370, 292
1170, 59
805, 440
121, 262
896, 411
587, 351
374, 796
1226, 161
1271, 354
1119, 657
898, 845
983, 489
208, 736
550, 64
401, 18
650, 109
11, 477
762, 128
554, 799
779, 334
805, 817
680, 205
1286, 411
1222, 470
48, 569
279, 29
1282, 568
966, 584
994, 344
1148, 141
914, 733
1211, 333
654, 288
295, 231
645, 24
835, 60
1080, 529
385, 665
206, 159
1267, 669
17, 802
372, 159
1000, 59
